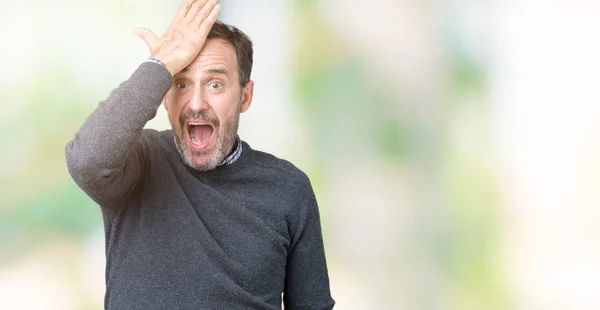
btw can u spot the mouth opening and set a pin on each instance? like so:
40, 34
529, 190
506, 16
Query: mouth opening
200, 133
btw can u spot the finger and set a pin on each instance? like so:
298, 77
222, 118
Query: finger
146, 35
183, 9
195, 8
204, 11
210, 20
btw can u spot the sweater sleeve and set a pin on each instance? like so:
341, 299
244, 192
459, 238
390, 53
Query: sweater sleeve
107, 155
307, 279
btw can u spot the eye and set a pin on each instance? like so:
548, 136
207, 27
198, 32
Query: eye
215, 85
181, 85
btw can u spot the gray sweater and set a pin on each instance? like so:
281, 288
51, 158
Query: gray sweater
236, 237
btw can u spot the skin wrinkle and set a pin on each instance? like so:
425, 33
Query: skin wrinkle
207, 89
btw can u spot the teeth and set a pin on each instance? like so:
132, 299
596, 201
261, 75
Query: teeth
192, 132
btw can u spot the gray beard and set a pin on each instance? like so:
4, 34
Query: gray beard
224, 145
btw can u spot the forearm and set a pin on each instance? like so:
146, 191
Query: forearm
109, 135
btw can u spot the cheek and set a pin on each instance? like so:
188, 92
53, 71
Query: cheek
173, 106
225, 105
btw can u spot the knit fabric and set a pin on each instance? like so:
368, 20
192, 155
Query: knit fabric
236, 237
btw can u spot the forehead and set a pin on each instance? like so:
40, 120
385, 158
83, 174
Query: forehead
216, 53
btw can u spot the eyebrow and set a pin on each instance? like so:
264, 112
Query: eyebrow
212, 71
217, 71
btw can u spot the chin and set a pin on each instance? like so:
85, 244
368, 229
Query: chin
203, 161
205, 164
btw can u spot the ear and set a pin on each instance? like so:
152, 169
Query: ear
247, 94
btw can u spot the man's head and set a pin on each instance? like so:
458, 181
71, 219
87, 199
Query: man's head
207, 97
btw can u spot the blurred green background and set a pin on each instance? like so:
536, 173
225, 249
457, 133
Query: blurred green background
453, 146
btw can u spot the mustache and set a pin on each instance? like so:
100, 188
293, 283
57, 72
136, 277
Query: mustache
198, 115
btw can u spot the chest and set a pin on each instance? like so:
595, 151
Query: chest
216, 236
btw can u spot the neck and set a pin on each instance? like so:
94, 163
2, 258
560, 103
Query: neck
234, 146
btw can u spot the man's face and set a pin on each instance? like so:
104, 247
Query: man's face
204, 105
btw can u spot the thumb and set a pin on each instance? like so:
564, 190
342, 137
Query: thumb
146, 35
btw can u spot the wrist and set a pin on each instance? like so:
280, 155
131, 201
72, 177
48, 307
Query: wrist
156, 61
166, 63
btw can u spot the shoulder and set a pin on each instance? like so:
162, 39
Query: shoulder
158, 144
155, 137
151, 134
283, 177
293, 189
280, 169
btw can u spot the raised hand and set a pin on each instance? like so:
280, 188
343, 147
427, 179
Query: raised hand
186, 35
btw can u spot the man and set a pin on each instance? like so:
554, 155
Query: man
194, 217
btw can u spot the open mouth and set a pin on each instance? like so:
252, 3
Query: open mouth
200, 134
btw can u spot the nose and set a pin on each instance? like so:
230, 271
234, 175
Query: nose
199, 101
